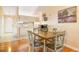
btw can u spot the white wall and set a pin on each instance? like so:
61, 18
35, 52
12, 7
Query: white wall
72, 29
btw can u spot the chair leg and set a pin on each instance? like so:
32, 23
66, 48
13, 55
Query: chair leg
46, 49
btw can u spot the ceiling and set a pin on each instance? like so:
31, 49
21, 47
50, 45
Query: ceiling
9, 10
27, 10
23, 10
31, 10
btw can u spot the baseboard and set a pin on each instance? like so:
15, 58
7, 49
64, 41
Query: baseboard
76, 49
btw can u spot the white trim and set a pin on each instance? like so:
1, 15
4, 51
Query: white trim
71, 47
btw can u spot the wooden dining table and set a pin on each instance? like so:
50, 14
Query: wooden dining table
44, 35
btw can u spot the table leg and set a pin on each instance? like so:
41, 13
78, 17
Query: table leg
44, 46
33, 44
32, 39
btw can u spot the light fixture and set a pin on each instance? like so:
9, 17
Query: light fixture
44, 17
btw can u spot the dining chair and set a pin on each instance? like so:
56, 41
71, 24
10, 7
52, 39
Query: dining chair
56, 44
35, 41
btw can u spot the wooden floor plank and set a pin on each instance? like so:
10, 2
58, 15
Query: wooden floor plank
14, 46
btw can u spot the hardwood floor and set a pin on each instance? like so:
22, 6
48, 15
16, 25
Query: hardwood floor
21, 45
66, 49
